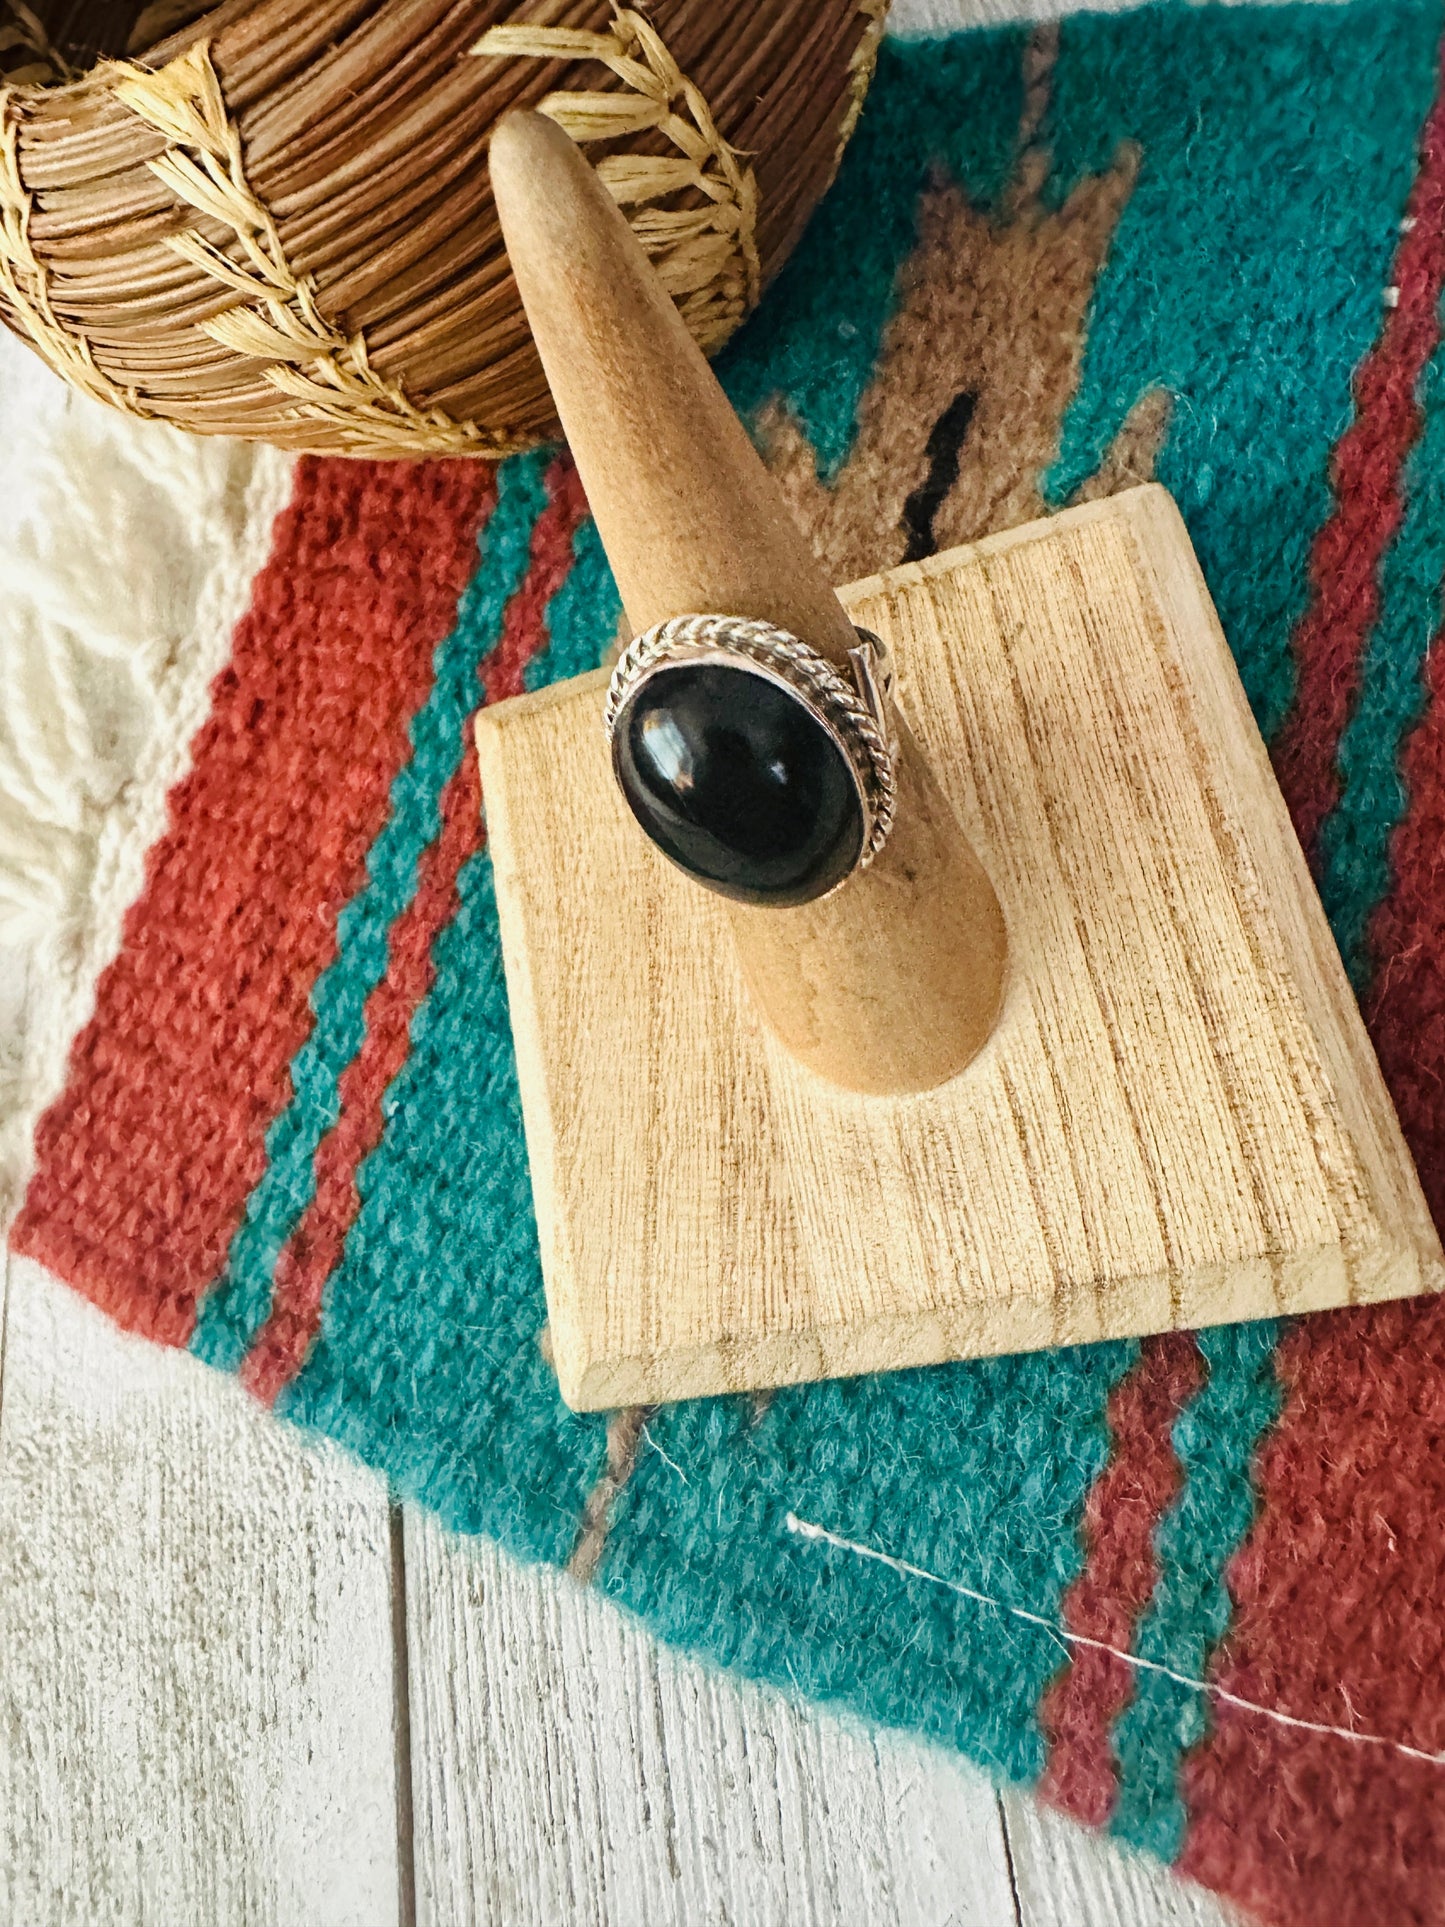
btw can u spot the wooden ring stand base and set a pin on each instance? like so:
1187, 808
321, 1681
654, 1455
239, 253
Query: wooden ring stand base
1177, 1121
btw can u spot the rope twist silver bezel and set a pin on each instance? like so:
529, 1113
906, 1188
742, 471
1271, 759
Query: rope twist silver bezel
855, 711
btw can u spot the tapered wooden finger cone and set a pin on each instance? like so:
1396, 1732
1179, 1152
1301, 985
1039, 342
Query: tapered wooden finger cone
892, 982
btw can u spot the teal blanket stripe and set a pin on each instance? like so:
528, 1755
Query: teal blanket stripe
428, 1362
1355, 841
975, 1472
1215, 1438
1278, 145
582, 618
235, 1310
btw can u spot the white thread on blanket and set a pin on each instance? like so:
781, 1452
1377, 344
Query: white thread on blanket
129, 554
806, 1529
671, 1462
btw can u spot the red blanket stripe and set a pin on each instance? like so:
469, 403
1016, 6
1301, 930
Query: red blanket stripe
1406, 1007
1339, 1616
1330, 638
145, 1163
315, 1247
1107, 1600
1350, 1541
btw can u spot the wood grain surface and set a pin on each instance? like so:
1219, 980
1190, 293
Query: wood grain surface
196, 1693
662, 1792
1177, 1121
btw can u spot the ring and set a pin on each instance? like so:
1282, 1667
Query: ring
756, 764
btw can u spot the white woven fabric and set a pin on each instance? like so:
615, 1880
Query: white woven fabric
126, 561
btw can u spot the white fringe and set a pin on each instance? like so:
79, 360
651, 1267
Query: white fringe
127, 552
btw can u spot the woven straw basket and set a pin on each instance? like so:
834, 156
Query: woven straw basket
271, 218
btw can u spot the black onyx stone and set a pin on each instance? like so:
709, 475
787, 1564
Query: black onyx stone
735, 779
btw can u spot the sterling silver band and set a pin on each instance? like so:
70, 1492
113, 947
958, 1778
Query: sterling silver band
857, 712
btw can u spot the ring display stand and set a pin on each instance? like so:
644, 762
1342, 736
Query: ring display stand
1177, 1121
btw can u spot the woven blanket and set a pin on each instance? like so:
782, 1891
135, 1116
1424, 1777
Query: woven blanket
1192, 1588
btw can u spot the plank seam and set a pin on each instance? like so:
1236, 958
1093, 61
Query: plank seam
1008, 1860
401, 1726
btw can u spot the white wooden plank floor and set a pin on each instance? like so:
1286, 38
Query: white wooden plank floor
196, 1707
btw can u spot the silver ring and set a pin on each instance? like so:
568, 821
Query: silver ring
855, 710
